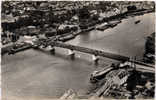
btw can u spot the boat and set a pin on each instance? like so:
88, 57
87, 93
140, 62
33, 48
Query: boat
19, 47
102, 27
66, 37
113, 23
138, 21
106, 25
98, 75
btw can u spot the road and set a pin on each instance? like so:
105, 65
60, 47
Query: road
37, 74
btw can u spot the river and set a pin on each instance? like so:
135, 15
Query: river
37, 74
126, 39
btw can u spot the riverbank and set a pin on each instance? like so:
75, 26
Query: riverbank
72, 35
118, 17
33, 18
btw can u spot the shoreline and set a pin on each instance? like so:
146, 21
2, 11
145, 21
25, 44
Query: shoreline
112, 18
68, 36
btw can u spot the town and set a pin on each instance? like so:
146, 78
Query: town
78, 49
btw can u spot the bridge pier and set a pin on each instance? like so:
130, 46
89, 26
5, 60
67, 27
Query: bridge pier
71, 54
52, 49
95, 58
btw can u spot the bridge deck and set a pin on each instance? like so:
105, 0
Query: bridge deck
98, 53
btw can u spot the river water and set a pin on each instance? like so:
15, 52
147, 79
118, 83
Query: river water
37, 74
126, 39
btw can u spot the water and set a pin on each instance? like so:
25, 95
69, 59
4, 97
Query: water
127, 38
37, 74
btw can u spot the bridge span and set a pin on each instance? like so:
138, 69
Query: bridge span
54, 43
98, 53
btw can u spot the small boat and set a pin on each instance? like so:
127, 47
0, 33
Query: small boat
99, 74
138, 21
113, 23
102, 27
67, 37
19, 47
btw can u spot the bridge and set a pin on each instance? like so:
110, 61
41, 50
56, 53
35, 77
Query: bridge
53, 42
96, 52
139, 64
